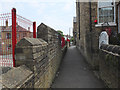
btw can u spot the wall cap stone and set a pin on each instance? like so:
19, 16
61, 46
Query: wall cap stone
115, 49
15, 77
31, 42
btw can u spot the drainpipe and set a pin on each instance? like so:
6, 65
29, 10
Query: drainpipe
90, 28
79, 17
90, 16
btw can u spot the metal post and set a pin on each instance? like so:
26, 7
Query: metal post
34, 29
14, 41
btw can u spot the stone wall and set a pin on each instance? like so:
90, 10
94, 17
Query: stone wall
33, 53
110, 65
88, 42
53, 39
106, 61
37, 60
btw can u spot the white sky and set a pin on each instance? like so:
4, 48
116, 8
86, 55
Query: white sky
57, 14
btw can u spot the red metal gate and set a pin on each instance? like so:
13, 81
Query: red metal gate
13, 28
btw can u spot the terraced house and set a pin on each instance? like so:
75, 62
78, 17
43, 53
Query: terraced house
92, 18
74, 30
6, 37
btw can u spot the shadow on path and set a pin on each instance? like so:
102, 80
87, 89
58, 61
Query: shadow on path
75, 72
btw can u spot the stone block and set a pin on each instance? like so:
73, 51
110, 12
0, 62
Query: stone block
104, 46
109, 48
116, 49
15, 77
28, 83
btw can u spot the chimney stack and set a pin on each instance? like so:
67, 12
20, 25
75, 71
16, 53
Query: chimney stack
6, 23
28, 28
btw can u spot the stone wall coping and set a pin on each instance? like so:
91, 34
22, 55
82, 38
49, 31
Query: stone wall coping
113, 49
111, 53
49, 28
15, 77
4, 70
31, 42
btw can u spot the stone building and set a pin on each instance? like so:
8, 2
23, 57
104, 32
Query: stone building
92, 18
74, 30
6, 37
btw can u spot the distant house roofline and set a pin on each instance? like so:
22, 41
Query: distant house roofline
18, 29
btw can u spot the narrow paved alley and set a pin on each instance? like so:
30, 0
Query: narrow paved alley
75, 72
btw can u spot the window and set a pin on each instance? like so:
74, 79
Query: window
18, 36
8, 35
24, 34
8, 47
106, 11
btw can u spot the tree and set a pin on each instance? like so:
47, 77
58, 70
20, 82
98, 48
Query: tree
59, 31
71, 39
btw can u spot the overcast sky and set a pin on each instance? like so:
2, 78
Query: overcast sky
57, 14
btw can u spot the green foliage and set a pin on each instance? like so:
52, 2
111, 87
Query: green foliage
59, 31
71, 39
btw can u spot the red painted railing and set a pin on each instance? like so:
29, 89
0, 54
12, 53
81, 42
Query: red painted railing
34, 29
14, 40
13, 28
63, 42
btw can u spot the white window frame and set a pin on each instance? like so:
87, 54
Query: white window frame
110, 23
